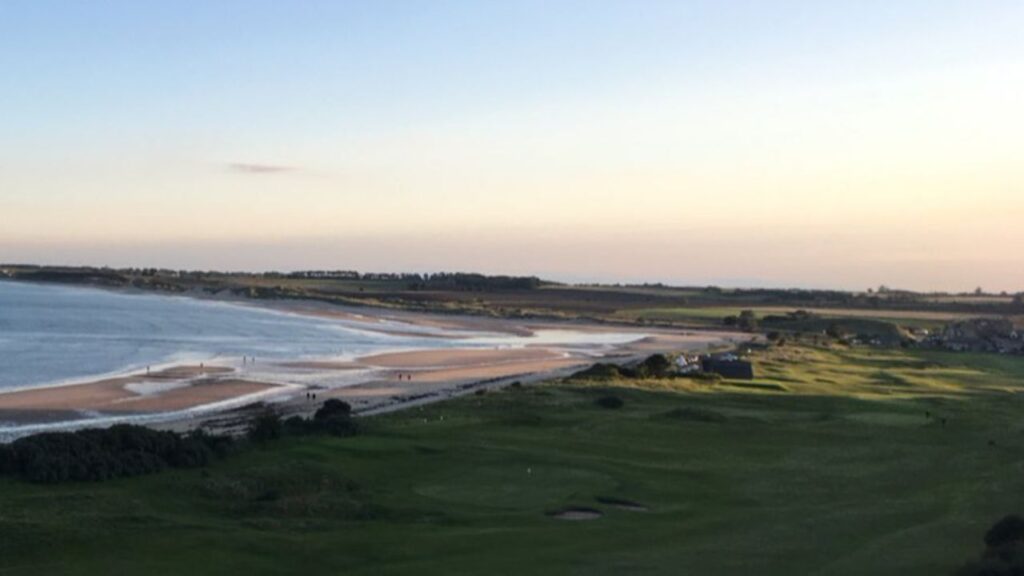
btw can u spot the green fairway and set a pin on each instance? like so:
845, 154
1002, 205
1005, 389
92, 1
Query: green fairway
841, 473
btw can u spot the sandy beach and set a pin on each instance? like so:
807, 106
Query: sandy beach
192, 395
172, 390
458, 358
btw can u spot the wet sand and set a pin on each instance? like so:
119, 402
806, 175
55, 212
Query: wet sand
458, 357
372, 383
175, 389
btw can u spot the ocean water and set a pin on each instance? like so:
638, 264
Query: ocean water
51, 333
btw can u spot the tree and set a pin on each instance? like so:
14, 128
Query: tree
655, 366
747, 321
334, 418
834, 330
331, 408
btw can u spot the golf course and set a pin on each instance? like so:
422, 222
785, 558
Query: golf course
835, 460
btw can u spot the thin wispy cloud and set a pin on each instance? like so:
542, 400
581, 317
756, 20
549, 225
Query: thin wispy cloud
258, 168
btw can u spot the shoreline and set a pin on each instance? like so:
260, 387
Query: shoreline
185, 396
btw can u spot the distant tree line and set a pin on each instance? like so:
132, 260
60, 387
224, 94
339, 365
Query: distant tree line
458, 281
474, 282
882, 298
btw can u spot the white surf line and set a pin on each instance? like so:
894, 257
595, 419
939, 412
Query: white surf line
130, 371
9, 433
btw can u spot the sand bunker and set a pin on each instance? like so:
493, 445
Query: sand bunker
576, 514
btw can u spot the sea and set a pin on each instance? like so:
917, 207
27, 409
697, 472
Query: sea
55, 334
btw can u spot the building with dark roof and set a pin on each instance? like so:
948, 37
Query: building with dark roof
728, 367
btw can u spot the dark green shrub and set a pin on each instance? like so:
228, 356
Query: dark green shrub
654, 366
296, 425
1004, 550
599, 371
100, 454
1009, 529
708, 377
331, 408
265, 427
338, 426
747, 321
333, 418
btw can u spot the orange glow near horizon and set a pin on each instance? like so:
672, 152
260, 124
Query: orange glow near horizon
804, 156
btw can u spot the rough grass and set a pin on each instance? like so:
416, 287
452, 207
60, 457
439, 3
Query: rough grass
847, 477
715, 315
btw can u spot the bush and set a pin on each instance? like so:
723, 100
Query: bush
1004, 550
1009, 529
331, 408
296, 425
337, 426
654, 366
334, 417
599, 371
747, 321
100, 454
610, 402
265, 427
708, 377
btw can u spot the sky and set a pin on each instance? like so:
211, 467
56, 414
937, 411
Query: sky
786, 143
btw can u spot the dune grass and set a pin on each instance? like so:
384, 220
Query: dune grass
842, 474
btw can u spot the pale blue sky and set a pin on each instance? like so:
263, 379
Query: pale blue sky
846, 143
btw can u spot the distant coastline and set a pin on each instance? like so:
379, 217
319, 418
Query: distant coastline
396, 357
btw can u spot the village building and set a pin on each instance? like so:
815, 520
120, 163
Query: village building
727, 366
